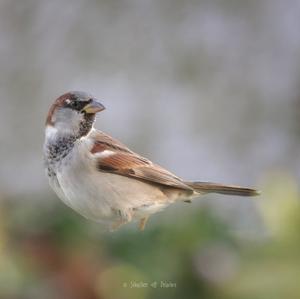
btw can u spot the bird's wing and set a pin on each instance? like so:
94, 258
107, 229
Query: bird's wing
114, 157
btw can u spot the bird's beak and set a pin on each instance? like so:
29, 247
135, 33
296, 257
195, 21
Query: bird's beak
93, 107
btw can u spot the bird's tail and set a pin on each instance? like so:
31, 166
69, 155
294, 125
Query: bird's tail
205, 187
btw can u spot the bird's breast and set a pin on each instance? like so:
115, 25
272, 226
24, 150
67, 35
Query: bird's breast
98, 195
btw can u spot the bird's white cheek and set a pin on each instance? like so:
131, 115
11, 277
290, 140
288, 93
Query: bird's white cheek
50, 132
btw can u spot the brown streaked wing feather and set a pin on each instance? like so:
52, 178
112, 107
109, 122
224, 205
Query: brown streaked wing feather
127, 163
105, 142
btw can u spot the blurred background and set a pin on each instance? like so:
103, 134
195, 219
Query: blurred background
208, 89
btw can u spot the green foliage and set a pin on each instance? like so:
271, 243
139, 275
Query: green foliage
50, 249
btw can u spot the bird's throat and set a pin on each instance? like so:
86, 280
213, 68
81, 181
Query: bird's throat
56, 149
60, 142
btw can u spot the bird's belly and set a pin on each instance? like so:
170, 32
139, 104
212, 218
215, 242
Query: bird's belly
106, 197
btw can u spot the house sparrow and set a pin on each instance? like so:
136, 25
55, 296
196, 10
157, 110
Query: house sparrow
101, 178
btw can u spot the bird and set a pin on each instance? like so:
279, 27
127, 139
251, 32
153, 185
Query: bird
101, 178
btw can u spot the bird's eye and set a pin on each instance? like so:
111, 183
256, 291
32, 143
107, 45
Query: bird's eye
76, 105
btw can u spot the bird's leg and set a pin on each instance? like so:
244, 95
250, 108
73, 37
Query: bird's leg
142, 223
123, 218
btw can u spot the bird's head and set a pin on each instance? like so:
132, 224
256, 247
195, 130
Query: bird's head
73, 113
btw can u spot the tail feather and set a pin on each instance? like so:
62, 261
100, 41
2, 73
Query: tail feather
205, 187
